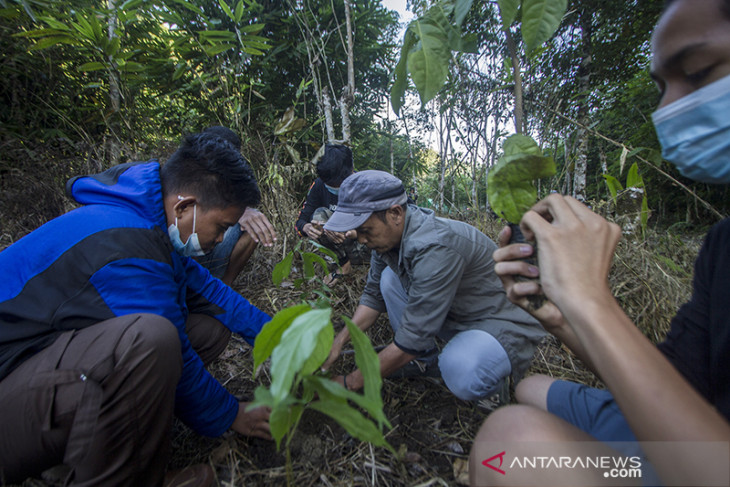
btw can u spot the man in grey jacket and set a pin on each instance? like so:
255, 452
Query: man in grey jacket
435, 278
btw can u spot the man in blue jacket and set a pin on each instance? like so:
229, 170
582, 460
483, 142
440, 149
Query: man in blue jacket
97, 343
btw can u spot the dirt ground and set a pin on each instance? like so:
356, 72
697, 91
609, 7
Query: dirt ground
431, 430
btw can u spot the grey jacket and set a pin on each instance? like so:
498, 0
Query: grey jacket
446, 267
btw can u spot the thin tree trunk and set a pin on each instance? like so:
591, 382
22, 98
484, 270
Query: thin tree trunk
327, 107
512, 49
584, 83
114, 92
348, 92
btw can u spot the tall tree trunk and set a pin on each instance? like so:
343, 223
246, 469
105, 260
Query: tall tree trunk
442, 159
328, 122
114, 92
584, 84
512, 49
348, 92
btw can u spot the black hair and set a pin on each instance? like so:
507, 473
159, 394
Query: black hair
224, 133
213, 170
724, 6
335, 165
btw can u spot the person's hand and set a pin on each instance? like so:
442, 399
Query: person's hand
252, 423
575, 250
334, 352
335, 237
313, 230
258, 226
508, 264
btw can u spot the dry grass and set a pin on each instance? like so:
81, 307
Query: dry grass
432, 430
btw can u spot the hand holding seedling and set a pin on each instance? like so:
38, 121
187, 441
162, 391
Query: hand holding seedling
313, 229
575, 249
336, 237
511, 261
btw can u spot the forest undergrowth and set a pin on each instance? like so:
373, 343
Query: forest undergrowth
432, 430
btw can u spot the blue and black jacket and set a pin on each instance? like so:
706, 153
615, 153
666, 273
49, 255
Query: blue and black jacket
113, 257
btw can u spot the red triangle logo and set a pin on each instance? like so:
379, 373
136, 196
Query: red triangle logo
496, 469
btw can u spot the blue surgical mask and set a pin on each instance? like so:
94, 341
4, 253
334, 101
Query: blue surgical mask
192, 247
334, 191
694, 132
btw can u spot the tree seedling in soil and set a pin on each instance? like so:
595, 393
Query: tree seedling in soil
298, 340
512, 192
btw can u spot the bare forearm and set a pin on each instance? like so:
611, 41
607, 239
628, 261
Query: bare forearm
658, 403
391, 359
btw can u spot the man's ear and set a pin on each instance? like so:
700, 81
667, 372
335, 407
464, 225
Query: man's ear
397, 213
183, 203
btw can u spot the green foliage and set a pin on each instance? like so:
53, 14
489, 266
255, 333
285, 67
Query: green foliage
633, 180
540, 20
298, 341
426, 50
510, 187
283, 269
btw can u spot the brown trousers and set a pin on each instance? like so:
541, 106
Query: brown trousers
100, 400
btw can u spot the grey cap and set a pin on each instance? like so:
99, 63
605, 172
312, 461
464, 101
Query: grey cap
361, 194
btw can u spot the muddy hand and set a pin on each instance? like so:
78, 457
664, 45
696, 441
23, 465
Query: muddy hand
575, 248
520, 280
254, 422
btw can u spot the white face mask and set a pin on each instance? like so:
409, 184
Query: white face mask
191, 248
694, 132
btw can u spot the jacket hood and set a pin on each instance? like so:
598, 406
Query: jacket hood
133, 185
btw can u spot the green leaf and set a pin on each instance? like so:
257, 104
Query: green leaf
297, 344
540, 20
633, 178
94, 66
52, 41
284, 418
321, 351
308, 260
510, 187
270, 335
218, 48
324, 249
353, 421
238, 15
614, 186
520, 144
282, 269
400, 75
330, 390
252, 29
428, 62
508, 11
227, 9
461, 9
369, 364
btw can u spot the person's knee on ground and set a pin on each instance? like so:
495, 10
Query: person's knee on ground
506, 428
240, 255
533, 390
208, 336
474, 365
